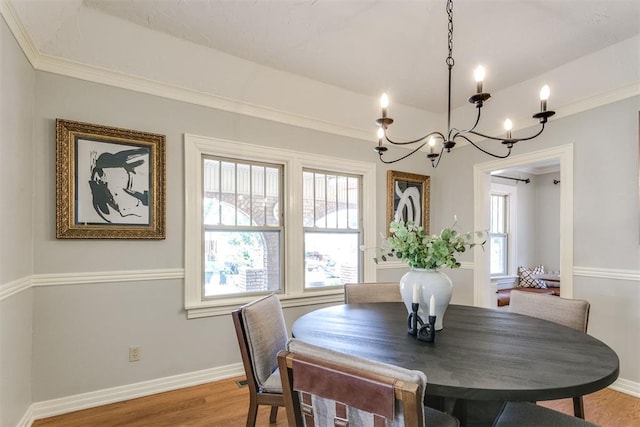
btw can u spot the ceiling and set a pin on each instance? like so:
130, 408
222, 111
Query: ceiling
397, 46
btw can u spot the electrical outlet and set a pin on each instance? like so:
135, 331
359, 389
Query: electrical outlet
134, 353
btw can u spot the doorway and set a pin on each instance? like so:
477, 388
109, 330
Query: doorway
483, 293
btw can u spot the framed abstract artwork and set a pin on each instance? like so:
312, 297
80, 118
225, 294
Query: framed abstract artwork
110, 182
408, 198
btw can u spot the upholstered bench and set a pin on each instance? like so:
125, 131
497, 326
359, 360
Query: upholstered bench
504, 295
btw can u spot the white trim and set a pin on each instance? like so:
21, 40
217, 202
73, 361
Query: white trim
607, 273
92, 399
27, 419
15, 287
106, 277
294, 162
10, 15
482, 295
65, 279
504, 282
627, 387
226, 306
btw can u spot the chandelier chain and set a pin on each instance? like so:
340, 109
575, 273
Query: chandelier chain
450, 61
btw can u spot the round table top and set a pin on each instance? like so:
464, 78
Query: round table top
481, 354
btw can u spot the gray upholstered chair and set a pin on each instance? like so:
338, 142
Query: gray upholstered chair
525, 414
261, 333
372, 292
567, 312
327, 388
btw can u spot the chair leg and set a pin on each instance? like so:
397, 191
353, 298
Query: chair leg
273, 415
578, 407
253, 413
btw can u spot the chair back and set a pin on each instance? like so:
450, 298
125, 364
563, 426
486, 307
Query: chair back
261, 333
568, 312
324, 387
355, 293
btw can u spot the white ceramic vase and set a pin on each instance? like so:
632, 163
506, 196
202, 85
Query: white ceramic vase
429, 282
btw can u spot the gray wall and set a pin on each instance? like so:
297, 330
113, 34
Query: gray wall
16, 238
547, 221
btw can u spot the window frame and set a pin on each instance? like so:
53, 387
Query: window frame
294, 162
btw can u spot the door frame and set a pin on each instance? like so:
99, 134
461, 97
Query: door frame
482, 295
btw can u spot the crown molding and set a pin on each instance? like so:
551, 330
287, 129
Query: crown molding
19, 31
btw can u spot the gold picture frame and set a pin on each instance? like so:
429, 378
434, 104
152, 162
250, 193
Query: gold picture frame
408, 198
110, 182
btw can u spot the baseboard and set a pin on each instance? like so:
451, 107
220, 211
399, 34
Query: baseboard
27, 418
77, 402
627, 387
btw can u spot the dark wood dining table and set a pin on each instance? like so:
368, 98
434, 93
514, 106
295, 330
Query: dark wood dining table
481, 355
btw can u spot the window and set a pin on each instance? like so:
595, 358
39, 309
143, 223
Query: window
243, 230
332, 233
498, 234
501, 229
261, 219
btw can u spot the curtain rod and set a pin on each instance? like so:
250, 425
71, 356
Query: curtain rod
526, 181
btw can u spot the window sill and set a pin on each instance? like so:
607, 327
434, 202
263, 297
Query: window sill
226, 306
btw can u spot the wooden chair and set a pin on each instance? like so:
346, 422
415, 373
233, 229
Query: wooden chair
261, 333
326, 388
372, 292
567, 312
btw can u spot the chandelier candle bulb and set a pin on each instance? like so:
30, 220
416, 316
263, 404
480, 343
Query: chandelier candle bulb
384, 103
508, 126
380, 136
479, 75
544, 96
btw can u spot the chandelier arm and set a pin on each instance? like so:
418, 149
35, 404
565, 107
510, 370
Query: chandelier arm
388, 162
497, 156
436, 133
473, 132
512, 140
532, 136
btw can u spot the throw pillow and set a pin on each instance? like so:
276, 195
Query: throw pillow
528, 281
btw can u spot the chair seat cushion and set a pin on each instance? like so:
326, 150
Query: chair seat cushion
433, 417
273, 384
524, 414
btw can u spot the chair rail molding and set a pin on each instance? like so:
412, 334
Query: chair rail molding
37, 280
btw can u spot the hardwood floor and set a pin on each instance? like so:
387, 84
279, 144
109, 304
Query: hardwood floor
223, 403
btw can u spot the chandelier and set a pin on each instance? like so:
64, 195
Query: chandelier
448, 140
